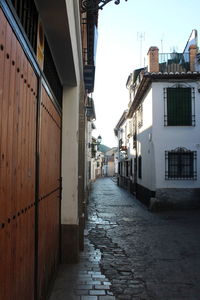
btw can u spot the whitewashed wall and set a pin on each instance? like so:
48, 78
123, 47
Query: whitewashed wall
145, 147
168, 138
70, 134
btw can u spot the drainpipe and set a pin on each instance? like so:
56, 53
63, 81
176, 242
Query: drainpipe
118, 177
136, 157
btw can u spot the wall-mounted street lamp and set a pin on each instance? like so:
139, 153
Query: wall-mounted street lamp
95, 5
98, 140
95, 142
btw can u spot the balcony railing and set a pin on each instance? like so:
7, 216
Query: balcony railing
174, 62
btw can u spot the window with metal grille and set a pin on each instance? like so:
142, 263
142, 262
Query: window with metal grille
134, 141
131, 167
134, 132
140, 116
51, 74
28, 16
140, 166
179, 106
180, 164
119, 168
93, 150
127, 168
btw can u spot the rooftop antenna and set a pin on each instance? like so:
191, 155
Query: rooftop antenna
161, 42
141, 38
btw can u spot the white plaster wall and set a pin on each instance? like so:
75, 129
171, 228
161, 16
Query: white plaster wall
88, 139
145, 147
93, 169
71, 98
86, 152
69, 204
111, 168
73, 11
168, 138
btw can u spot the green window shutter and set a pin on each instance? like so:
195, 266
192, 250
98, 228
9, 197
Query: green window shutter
179, 107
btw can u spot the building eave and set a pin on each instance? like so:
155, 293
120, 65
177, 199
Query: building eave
55, 16
150, 77
121, 122
142, 88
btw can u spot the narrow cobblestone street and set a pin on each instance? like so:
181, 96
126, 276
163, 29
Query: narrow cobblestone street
132, 253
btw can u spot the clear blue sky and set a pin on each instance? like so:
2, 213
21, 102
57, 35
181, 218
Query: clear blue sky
165, 24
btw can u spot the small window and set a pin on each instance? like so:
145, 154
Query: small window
140, 166
180, 164
131, 167
89, 170
134, 132
119, 168
179, 106
127, 168
134, 141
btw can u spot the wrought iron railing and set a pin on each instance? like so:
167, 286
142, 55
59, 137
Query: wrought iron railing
174, 62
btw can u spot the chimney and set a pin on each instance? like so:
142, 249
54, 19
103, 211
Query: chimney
192, 54
153, 65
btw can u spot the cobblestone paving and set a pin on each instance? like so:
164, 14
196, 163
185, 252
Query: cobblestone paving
146, 256
83, 281
131, 253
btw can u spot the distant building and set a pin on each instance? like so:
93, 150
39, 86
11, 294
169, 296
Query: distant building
109, 162
158, 135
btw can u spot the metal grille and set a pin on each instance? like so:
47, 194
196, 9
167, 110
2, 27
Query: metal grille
181, 164
179, 106
28, 15
174, 62
51, 74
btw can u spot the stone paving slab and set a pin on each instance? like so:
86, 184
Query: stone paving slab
83, 281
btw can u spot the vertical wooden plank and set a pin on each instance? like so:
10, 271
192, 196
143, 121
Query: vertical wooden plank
4, 122
9, 163
2, 200
10, 133
49, 204
15, 129
19, 130
4, 155
24, 133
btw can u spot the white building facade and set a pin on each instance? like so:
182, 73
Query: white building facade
161, 146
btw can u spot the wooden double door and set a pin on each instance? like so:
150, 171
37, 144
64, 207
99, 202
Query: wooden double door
30, 155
